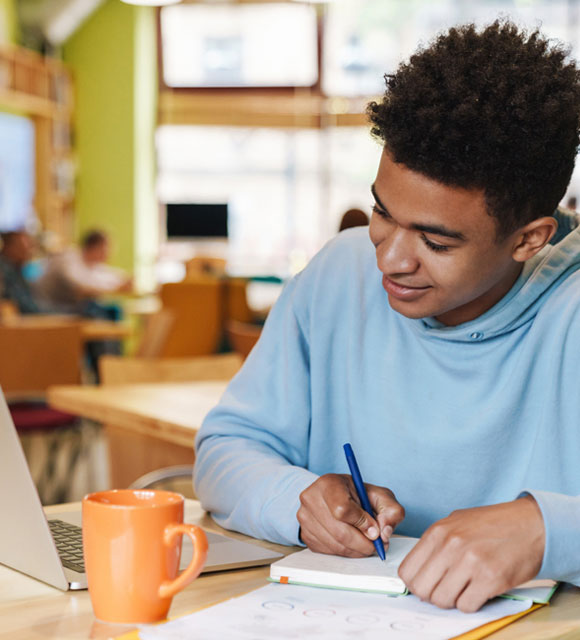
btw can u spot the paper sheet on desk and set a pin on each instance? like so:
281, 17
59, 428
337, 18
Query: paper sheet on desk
291, 612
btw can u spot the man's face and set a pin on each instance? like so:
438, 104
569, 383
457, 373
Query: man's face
19, 250
437, 248
97, 253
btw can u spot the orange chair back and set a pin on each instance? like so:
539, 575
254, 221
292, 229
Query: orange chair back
197, 307
237, 307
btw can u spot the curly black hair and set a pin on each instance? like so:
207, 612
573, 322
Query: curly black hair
496, 110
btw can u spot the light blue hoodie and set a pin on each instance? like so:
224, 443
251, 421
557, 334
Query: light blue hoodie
446, 417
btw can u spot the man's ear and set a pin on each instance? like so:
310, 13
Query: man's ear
533, 237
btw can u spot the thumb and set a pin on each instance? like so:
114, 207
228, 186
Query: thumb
367, 525
356, 516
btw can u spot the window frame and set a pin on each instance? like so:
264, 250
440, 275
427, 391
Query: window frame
267, 91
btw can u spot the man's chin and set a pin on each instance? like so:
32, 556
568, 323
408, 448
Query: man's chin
410, 310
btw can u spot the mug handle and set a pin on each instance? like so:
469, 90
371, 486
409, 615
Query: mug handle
169, 588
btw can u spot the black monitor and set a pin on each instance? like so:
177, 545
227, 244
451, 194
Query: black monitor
197, 220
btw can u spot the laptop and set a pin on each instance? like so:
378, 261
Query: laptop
51, 549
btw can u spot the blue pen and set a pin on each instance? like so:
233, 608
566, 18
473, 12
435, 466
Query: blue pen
362, 493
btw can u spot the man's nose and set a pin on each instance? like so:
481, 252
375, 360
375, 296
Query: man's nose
397, 252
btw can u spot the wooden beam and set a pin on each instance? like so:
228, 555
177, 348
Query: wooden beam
301, 109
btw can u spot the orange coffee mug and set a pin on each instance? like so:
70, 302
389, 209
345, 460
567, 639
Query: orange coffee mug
132, 547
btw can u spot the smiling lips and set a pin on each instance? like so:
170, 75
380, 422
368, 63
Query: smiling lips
403, 292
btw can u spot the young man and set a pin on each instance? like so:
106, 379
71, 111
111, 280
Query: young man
452, 369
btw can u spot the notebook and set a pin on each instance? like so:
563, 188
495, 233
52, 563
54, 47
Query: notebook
373, 575
356, 574
28, 541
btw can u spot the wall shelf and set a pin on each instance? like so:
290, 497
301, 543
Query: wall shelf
42, 89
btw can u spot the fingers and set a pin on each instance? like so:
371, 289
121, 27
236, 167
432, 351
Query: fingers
472, 598
389, 513
317, 538
434, 580
462, 587
324, 534
332, 520
424, 561
350, 512
475, 554
428, 576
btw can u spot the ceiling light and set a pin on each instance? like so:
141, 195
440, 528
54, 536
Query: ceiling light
66, 18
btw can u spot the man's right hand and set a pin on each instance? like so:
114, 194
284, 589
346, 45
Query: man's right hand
126, 286
333, 521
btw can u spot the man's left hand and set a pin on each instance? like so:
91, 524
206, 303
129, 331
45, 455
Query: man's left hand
475, 554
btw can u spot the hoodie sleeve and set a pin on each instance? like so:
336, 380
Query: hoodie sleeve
561, 515
252, 449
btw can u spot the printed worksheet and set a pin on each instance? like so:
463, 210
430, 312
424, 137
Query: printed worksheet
288, 612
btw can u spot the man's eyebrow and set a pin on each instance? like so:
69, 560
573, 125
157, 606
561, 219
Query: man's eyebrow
439, 230
377, 199
435, 229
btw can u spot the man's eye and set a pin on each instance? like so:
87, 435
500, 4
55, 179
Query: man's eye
434, 246
379, 212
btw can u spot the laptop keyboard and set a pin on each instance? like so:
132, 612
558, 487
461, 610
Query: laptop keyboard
69, 544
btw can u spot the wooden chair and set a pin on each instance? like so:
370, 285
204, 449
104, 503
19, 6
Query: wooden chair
242, 336
156, 331
177, 478
54, 442
34, 357
154, 455
236, 304
129, 370
204, 266
197, 306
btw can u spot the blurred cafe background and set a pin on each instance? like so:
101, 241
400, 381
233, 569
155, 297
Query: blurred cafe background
213, 147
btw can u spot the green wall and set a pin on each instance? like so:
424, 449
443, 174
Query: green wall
113, 58
145, 115
9, 27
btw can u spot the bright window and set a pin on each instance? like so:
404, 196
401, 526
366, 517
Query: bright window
286, 189
253, 45
17, 174
364, 39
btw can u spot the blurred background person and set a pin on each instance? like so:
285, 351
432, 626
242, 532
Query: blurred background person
353, 218
16, 252
74, 281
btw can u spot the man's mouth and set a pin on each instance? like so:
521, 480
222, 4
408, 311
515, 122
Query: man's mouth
403, 291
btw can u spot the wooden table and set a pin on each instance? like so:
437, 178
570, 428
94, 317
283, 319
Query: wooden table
141, 305
31, 609
149, 426
91, 329
104, 330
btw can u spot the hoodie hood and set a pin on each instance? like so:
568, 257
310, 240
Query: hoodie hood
539, 278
